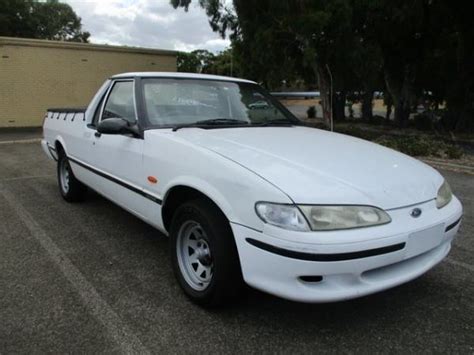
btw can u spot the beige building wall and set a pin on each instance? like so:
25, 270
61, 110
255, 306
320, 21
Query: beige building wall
37, 74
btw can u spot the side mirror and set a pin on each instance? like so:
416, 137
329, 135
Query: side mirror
117, 126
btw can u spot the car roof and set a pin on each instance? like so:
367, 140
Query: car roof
180, 76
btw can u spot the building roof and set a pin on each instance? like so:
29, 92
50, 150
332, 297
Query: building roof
180, 75
28, 42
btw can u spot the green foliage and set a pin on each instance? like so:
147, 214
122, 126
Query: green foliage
415, 146
353, 130
224, 63
189, 62
43, 20
377, 120
423, 122
453, 152
404, 48
203, 61
421, 146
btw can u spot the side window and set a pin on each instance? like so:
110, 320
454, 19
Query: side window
120, 102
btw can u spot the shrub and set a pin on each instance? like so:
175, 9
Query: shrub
417, 146
358, 132
423, 122
454, 152
387, 142
421, 146
378, 120
311, 112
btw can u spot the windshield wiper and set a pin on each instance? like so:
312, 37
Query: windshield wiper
218, 121
277, 122
212, 122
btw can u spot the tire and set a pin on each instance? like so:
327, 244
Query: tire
71, 189
204, 255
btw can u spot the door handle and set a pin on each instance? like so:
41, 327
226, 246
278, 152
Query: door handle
97, 134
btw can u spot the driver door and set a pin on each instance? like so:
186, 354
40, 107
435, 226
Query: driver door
118, 157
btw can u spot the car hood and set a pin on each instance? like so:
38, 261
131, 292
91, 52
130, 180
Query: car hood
314, 166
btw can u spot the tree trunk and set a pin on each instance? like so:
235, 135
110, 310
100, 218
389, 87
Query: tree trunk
460, 100
460, 114
339, 105
388, 113
401, 90
388, 102
324, 88
402, 107
465, 121
367, 105
402, 115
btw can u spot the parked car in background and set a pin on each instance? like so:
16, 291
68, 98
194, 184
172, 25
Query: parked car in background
246, 193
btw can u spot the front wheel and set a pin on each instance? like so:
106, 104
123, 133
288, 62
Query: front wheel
204, 255
71, 189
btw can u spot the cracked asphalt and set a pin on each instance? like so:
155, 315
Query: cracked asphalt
91, 278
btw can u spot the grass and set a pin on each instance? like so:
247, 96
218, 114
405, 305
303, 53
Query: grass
417, 145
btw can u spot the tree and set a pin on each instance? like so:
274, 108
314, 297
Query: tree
224, 63
43, 20
206, 60
426, 46
365, 60
453, 64
188, 62
400, 30
323, 31
197, 61
406, 48
203, 61
284, 39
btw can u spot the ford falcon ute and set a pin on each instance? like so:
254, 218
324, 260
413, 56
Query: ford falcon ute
248, 194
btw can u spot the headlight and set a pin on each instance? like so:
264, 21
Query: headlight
284, 216
324, 218
320, 218
444, 195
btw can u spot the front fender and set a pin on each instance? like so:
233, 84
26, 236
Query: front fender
205, 188
232, 187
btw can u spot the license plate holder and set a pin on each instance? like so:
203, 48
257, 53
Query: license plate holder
424, 240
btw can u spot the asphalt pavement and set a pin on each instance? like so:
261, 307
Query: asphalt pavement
92, 278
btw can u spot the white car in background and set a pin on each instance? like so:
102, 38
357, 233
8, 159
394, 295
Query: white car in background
247, 193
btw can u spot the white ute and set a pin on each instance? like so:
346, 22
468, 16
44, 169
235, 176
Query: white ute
247, 193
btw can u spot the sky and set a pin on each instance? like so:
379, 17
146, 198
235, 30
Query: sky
147, 23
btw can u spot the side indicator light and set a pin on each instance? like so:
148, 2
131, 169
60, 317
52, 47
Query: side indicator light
152, 179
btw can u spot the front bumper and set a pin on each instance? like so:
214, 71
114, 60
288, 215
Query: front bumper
339, 265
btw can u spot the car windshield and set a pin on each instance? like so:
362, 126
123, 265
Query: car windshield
175, 102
